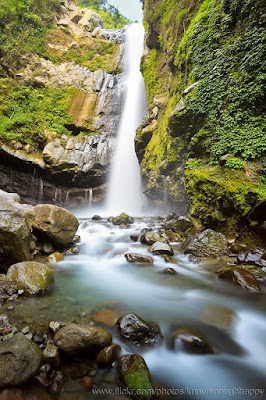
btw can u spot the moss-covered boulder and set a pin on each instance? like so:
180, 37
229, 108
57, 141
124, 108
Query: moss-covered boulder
122, 219
208, 244
133, 373
182, 225
32, 277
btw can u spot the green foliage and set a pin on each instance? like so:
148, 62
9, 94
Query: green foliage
23, 25
221, 44
26, 112
227, 56
149, 71
235, 163
112, 18
192, 164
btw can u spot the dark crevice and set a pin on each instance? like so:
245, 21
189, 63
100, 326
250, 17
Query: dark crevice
76, 130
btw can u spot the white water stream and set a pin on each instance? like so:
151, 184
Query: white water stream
124, 193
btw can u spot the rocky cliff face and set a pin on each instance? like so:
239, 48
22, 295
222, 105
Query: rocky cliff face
65, 167
203, 139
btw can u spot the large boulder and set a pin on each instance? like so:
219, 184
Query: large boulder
134, 374
32, 277
138, 332
20, 359
75, 339
241, 278
182, 225
208, 244
16, 222
89, 20
55, 224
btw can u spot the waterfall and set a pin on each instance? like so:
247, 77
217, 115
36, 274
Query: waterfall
124, 193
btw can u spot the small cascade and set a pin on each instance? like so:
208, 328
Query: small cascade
124, 192
67, 198
40, 196
90, 197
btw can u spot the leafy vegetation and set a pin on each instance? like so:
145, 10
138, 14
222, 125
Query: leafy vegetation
23, 26
110, 14
221, 46
26, 112
92, 53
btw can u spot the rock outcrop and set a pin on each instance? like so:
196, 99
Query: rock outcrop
65, 168
26, 230
16, 221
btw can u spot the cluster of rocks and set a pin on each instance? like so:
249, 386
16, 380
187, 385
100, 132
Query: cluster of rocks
242, 267
44, 359
27, 231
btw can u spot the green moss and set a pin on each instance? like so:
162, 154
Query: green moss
211, 188
220, 45
150, 74
138, 379
26, 112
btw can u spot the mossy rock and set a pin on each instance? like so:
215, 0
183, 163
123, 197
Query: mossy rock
134, 374
32, 277
122, 219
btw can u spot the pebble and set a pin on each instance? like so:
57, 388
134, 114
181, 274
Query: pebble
86, 383
29, 336
25, 330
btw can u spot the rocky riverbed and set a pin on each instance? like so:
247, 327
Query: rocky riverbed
136, 305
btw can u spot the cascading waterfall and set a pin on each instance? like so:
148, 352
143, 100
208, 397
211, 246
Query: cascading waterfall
124, 193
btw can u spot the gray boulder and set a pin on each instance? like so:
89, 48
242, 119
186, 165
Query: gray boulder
55, 224
20, 359
16, 221
208, 244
